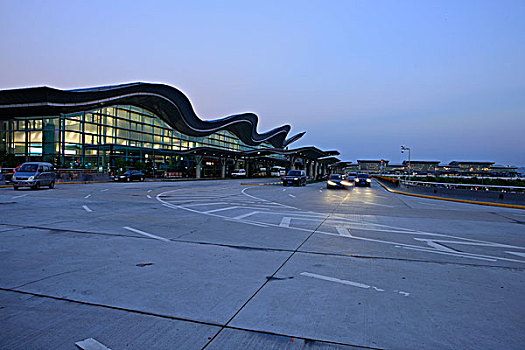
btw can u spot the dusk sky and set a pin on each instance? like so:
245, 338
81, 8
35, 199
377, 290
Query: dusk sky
446, 78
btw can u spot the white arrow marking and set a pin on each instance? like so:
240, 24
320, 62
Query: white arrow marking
285, 222
91, 344
343, 231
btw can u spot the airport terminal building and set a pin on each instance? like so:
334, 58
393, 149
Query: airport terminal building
145, 126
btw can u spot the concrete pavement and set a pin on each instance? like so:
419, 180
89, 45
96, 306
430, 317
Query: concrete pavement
220, 265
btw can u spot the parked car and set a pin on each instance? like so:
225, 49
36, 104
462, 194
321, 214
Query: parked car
131, 175
363, 180
34, 175
337, 181
295, 177
239, 173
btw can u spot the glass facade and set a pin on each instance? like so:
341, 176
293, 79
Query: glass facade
107, 138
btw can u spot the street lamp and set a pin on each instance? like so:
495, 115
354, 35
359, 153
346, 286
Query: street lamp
403, 149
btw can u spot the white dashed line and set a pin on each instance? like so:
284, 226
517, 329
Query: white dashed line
146, 234
148, 196
89, 195
104, 190
86, 208
291, 195
149, 191
22, 195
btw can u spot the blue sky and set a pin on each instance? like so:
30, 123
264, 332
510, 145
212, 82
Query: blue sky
446, 78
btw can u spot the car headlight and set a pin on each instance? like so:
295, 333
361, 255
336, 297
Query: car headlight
331, 183
296, 178
13, 177
345, 183
368, 180
31, 178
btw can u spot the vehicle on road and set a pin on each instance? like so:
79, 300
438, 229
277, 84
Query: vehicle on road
351, 177
278, 171
363, 180
337, 181
239, 173
130, 175
295, 177
34, 175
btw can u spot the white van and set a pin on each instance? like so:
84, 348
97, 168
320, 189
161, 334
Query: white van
34, 175
239, 173
278, 171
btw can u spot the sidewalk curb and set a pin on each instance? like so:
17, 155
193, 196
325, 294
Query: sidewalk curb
502, 205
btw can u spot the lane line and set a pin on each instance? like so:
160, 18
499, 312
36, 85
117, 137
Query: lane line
149, 191
146, 234
22, 195
91, 344
89, 195
517, 253
86, 208
382, 205
441, 247
148, 196
478, 243
285, 222
104, 190
220, 209
284, 189
291, 195
428, 250
343, 231
245, 215
346, 282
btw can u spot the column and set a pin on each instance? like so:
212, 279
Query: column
198, 162
223, 167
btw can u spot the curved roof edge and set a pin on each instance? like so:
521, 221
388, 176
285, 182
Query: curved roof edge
166, 102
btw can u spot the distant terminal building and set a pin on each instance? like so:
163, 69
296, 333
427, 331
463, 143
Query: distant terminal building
422, 166
141, 125
431, 167
372, 166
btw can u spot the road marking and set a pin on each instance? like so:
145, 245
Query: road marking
148, 196
220, 209
470, 242
381, 205
265, 200
91, 344
89, 195
146, 234
343, 231
86, 208
284, 189
203, 204
428, 250
22, 195
321, 191
291, 195
441, 247
517, 253
149, 191
104, 190
285, 222
246, 222
245, 215
333, 279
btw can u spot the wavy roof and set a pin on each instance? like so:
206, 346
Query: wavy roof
166, 102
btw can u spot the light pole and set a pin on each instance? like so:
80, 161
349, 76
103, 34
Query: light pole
403, 149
